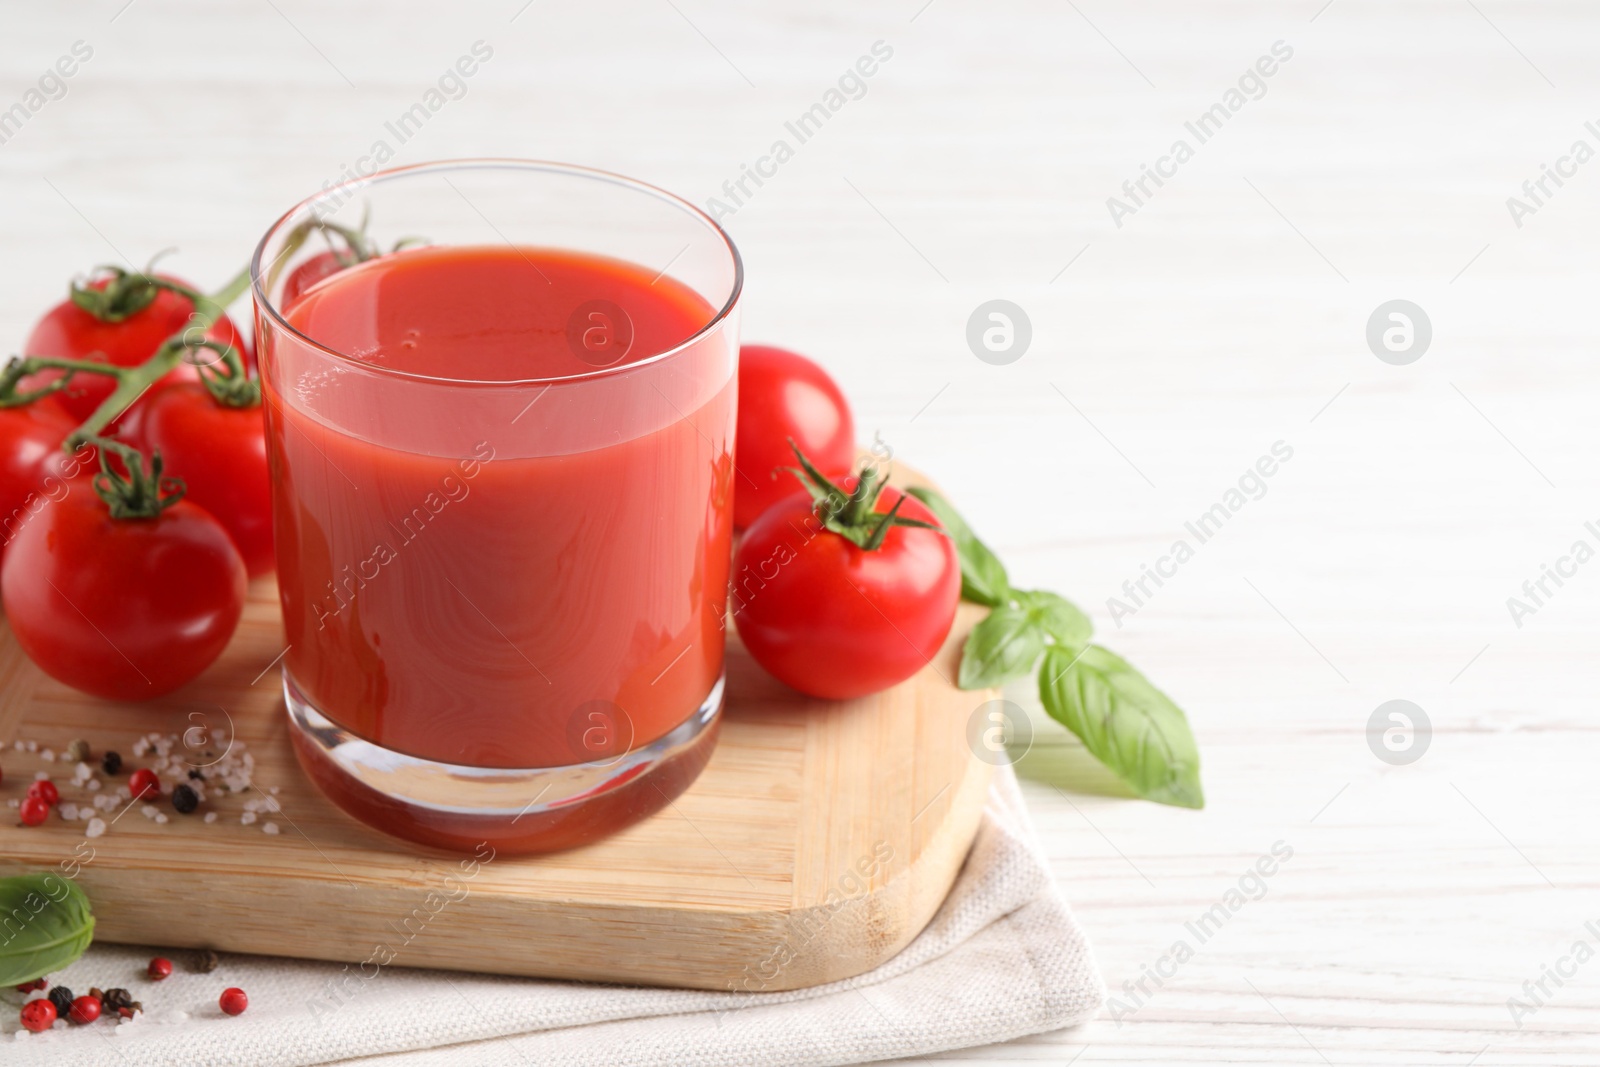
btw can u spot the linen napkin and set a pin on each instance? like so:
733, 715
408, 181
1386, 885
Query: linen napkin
1002, 958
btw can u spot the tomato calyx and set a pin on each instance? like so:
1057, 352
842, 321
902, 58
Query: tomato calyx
113, 294
851, 515
137, 491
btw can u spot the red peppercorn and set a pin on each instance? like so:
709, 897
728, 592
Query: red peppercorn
233, 1001
29, 987
84, 1010
38, 1015
34, 811
45, 790
159, 968
143, 784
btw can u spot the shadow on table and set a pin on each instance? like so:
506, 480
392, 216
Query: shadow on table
1068, 766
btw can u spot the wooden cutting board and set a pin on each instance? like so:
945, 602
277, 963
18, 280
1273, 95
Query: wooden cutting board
819, 840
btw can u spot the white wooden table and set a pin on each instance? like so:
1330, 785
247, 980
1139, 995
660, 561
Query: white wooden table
1226, 313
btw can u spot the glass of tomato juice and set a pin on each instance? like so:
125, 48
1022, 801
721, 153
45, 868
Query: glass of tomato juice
502, 466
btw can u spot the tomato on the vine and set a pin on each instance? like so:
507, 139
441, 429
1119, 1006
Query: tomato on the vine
33, 468
842, 591
123, 608
220, 452
783, 397
68, 331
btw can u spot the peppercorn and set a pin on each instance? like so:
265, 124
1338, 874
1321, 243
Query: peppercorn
195, 775
116, 999
144, 784
184, 799
78, 751
207, 962
85, 1010
38, 1015
111, 763
159, 968
29, 987
233, 1001
62, 998
33, 811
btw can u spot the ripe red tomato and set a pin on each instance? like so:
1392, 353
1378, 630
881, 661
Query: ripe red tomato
306, 275
33, 468
125, 609
832, 619
220, 453
69, 332
784, 395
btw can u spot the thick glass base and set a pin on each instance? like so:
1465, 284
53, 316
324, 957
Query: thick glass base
540, 809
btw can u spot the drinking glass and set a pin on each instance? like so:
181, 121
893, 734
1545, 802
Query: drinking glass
502, 464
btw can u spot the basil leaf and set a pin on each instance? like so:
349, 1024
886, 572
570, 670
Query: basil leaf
1004, 645
1124, 721
45, 924
1056, 616
983, 576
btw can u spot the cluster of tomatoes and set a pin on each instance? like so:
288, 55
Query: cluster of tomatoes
842, 585
134, 500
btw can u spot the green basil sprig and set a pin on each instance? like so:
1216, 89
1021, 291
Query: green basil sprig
45, 924
1125, 722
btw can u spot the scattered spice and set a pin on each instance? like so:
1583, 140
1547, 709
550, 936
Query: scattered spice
39, 1015
46, 791
34, 811
29, 987
159, 968
144, 784
196, 775
78, 750
61, 997
111, 763
116, 999
85, 1010
184, 799
207, 962
233, 1001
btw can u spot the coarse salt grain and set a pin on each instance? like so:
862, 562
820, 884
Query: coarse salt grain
270, 828
69, 811
48, 755
161, 817
95, 828
211, 816
41, 776
247, 818
94, 785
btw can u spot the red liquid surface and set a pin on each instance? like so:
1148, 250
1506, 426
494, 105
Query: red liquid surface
478, 604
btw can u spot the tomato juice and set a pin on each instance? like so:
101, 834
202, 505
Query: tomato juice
477, 565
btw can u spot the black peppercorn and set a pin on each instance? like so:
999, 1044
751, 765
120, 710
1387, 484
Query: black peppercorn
184, 799
61, 997
115, 999
196, 775
111, 763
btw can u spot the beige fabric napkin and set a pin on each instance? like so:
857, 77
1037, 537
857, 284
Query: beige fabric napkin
1002, 958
